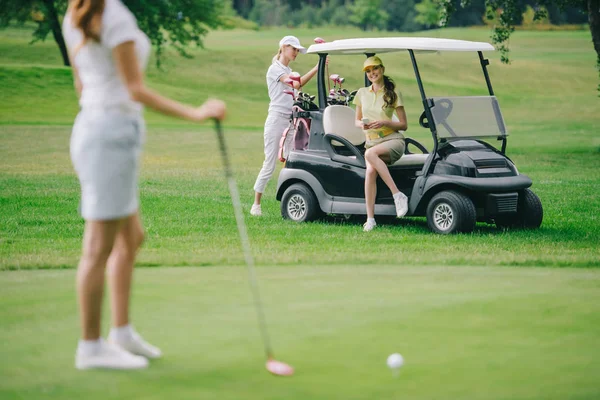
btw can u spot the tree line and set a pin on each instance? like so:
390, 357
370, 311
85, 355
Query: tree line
386, 15
182, 22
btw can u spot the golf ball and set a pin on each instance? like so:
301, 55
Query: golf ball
395, 361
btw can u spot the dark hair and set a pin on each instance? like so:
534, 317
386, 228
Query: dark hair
83, 13
389, 92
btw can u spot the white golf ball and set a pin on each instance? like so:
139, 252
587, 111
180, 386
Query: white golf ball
395, 361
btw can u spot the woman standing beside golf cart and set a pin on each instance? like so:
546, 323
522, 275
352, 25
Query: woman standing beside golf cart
384, 145
280, 109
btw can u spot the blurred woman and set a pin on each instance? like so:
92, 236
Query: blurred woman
375, 106
109, 53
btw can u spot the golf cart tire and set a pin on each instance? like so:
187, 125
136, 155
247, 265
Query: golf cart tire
529, 213
299, 204
451, 212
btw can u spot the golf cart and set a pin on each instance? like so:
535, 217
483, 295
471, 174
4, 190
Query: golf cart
464, 179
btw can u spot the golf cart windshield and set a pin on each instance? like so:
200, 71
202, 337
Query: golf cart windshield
467, 117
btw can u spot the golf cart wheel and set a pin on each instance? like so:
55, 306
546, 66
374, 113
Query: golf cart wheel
529, 213
451, 212
299, 204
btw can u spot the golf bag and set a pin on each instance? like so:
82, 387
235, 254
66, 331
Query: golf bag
296, 135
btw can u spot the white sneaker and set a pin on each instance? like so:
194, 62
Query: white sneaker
134, 344
107, 355
401, 203
255, 210
369, 225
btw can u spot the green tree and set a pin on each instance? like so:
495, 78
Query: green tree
428, 13
509, 14
401, 15
368, 14
177, 22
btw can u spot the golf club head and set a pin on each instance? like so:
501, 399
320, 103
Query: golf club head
334, 77
319, 40
290, 92
279, 368
288, 82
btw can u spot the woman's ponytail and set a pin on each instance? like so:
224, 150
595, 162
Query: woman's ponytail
389, 92
276, 57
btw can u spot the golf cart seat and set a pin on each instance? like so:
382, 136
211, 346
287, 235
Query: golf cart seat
411, 160
339, 120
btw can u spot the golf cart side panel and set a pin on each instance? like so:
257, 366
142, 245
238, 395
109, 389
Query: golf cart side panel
288, 177
336, 178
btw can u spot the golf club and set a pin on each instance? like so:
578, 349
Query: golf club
273, 366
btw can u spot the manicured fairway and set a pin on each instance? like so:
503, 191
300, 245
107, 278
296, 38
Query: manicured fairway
522, 323
465, 332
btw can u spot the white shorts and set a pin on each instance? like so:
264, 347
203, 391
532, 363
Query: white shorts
105, 150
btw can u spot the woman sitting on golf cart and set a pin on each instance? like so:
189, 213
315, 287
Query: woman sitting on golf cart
384, 145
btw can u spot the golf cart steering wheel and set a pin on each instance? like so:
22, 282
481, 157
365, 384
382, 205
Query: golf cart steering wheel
418, 145
443, 110
423, 121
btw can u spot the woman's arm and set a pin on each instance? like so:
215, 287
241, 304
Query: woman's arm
76, 80
128, 67
400, 125
305, 78
359, 115
309, 75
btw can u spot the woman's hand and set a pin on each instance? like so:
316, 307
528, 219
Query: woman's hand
212, 108
375, 124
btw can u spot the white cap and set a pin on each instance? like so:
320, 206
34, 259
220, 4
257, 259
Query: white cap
292, 41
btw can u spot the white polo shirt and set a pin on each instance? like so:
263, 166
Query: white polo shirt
102, 85
280, 102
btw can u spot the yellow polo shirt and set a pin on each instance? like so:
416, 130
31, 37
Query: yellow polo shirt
371, 103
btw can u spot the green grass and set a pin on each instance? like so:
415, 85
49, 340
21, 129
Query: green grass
188, 217
338, 301
549, 104
465, 333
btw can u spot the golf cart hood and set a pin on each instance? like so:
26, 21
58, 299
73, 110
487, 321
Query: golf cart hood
473, 158
390, 44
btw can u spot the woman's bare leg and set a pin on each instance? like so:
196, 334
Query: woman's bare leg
120, 268
370, 190
257, 197
376, 157
98, 241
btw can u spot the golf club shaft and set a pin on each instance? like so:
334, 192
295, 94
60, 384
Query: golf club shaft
241, 225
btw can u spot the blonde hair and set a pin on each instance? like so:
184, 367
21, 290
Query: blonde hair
276, 57
83, 12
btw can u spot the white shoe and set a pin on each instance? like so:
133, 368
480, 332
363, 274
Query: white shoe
107, 355
134, 344
369, 225
255, 210
401, 203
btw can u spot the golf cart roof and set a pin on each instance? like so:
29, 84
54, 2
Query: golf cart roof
389, 44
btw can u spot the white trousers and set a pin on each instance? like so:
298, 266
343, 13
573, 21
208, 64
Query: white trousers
274, 126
